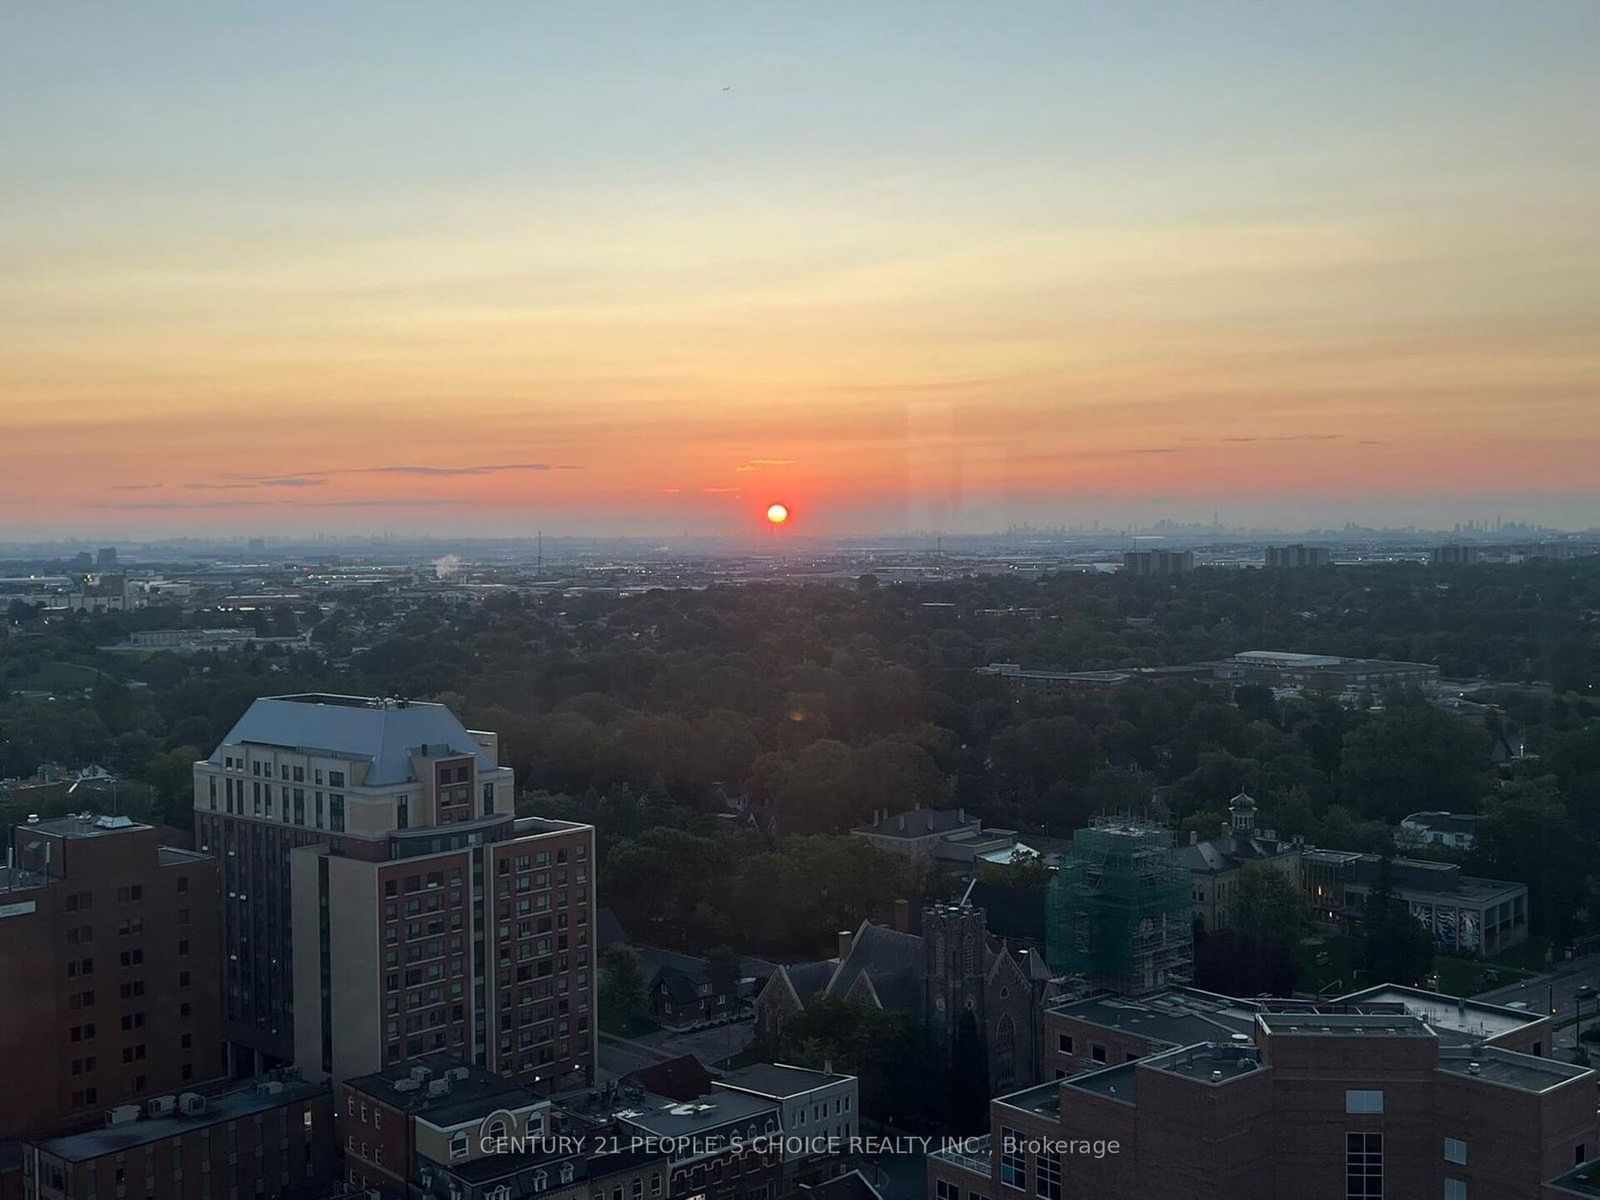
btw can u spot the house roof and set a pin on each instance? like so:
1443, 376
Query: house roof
808, 979
608, 930
919, 823
892, 961
778, 1081
681, 1079
384, 733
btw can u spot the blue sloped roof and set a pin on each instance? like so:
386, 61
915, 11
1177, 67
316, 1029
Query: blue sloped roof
384, 734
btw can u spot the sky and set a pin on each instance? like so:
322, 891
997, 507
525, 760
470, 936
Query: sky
620, 267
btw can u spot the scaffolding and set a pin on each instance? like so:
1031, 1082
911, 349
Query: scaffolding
1120, 911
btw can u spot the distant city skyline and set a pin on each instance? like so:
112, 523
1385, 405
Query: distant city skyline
899, 266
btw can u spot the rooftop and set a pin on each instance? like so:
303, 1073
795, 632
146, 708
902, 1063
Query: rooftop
385, 733
228, 1106
1120, 1082
1323, 1024
1448, 1014
1210, 1062
1178, 1016
1523, 1072
661, 1117
83, 825
918, 823
779, 1081
471, 1091
1582, 1180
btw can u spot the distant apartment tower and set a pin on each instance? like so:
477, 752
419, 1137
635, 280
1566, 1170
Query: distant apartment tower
108, 970
382, 902
1157, 562
1298, 556
105, 558
1453, 555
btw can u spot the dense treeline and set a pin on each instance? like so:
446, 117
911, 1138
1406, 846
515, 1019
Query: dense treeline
821, 705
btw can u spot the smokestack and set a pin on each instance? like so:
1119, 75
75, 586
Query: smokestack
845, 938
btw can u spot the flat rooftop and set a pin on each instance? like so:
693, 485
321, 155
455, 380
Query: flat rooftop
1523, 1072
228, 1106
85, 825
1319, 1024
1041, 1098
1211, 1063
1120, 1082
1582, 1180
662, 1117
779, 1081
1177, 1017
1446, 1014
472, 1091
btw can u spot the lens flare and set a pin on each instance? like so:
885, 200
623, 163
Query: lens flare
777, 513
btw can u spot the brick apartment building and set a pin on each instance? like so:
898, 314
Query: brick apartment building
382, 903
108, 970
443, 1129
270, 1138
438, 1113
1317, 1105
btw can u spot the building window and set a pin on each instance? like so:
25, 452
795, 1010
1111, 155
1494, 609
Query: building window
1013, 1162
944, 1190
1455, 1189
1098, 1053
1064, 1043
458, 1145
1455, 1151
1363, 1102
1047, 1176
1363, 1166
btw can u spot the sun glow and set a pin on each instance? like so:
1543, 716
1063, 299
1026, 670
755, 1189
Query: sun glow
777, 514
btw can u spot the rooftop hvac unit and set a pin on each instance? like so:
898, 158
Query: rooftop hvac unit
122, 1114
457, 1073
438, 1087
268, 1087
161, 1106
191, 1104
406, 1085
420, 1073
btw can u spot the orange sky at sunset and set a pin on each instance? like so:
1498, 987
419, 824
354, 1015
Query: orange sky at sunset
486, 304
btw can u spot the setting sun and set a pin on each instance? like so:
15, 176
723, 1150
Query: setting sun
778, 513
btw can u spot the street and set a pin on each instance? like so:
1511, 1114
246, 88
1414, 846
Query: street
1555, 993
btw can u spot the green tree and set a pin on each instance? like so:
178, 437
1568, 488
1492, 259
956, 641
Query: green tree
623, 987
1266, 905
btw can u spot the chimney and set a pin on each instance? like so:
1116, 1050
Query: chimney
902, 916
845, 938
1194, 837
902, 822
961, 815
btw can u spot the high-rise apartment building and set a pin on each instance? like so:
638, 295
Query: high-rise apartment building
1157, 562
108, 970
1298, 555
382, 902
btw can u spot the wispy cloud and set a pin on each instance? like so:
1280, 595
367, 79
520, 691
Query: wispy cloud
756, 464
219, 487
135, 487
419, 469
398, 502
1153, 450
292, 481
